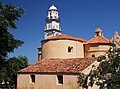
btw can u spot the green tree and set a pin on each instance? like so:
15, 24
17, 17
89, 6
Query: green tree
106, 75
8, 16
9, 68
3, 71
13, 65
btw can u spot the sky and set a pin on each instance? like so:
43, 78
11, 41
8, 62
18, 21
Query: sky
79, 18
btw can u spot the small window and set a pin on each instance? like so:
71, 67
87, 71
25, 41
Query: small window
93, 55
60, 79
70, 49
97, 34
32, 78
51, 17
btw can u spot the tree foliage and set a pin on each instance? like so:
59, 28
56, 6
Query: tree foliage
9, 66
8, 16
8, 71
106, 75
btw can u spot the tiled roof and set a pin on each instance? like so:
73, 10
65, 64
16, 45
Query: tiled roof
65, 37
98, 39
56, 65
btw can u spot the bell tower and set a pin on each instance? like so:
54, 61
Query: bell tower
98, 32
52, 23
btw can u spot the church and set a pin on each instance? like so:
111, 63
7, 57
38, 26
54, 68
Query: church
61, 57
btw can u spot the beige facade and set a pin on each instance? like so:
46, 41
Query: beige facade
96, 50
98, 45
47, 81
60, 49
58, 46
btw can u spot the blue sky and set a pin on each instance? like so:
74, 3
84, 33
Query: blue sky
79, 18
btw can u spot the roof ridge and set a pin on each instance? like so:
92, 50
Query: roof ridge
65, 36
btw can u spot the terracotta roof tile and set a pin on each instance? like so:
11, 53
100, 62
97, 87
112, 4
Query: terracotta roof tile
73, 65
98, 39
65, 37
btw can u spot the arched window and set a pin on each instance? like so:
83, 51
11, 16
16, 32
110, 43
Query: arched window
93, 55
97, 33
70, 49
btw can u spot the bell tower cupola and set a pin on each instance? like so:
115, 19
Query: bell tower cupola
98, 32
52, 23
